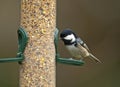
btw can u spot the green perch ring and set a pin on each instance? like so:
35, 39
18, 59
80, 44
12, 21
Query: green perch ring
22, 42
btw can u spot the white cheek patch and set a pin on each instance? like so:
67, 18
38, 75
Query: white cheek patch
70, 37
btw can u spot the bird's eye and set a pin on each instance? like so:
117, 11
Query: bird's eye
62, 35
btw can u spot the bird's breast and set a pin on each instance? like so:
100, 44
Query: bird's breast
74, 51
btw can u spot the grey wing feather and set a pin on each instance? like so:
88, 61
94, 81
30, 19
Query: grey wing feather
79, 40
81, 43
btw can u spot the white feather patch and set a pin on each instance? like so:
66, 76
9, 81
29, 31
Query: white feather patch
70, 37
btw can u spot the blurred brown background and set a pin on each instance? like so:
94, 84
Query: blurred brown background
97, 22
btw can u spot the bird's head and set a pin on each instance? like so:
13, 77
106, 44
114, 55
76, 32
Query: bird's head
68, 36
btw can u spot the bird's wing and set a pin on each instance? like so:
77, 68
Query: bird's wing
80, 41
85, 50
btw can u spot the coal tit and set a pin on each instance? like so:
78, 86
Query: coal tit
77, 48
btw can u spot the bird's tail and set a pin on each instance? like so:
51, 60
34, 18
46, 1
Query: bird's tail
94, 58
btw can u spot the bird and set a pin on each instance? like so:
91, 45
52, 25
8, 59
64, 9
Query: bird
75, 45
